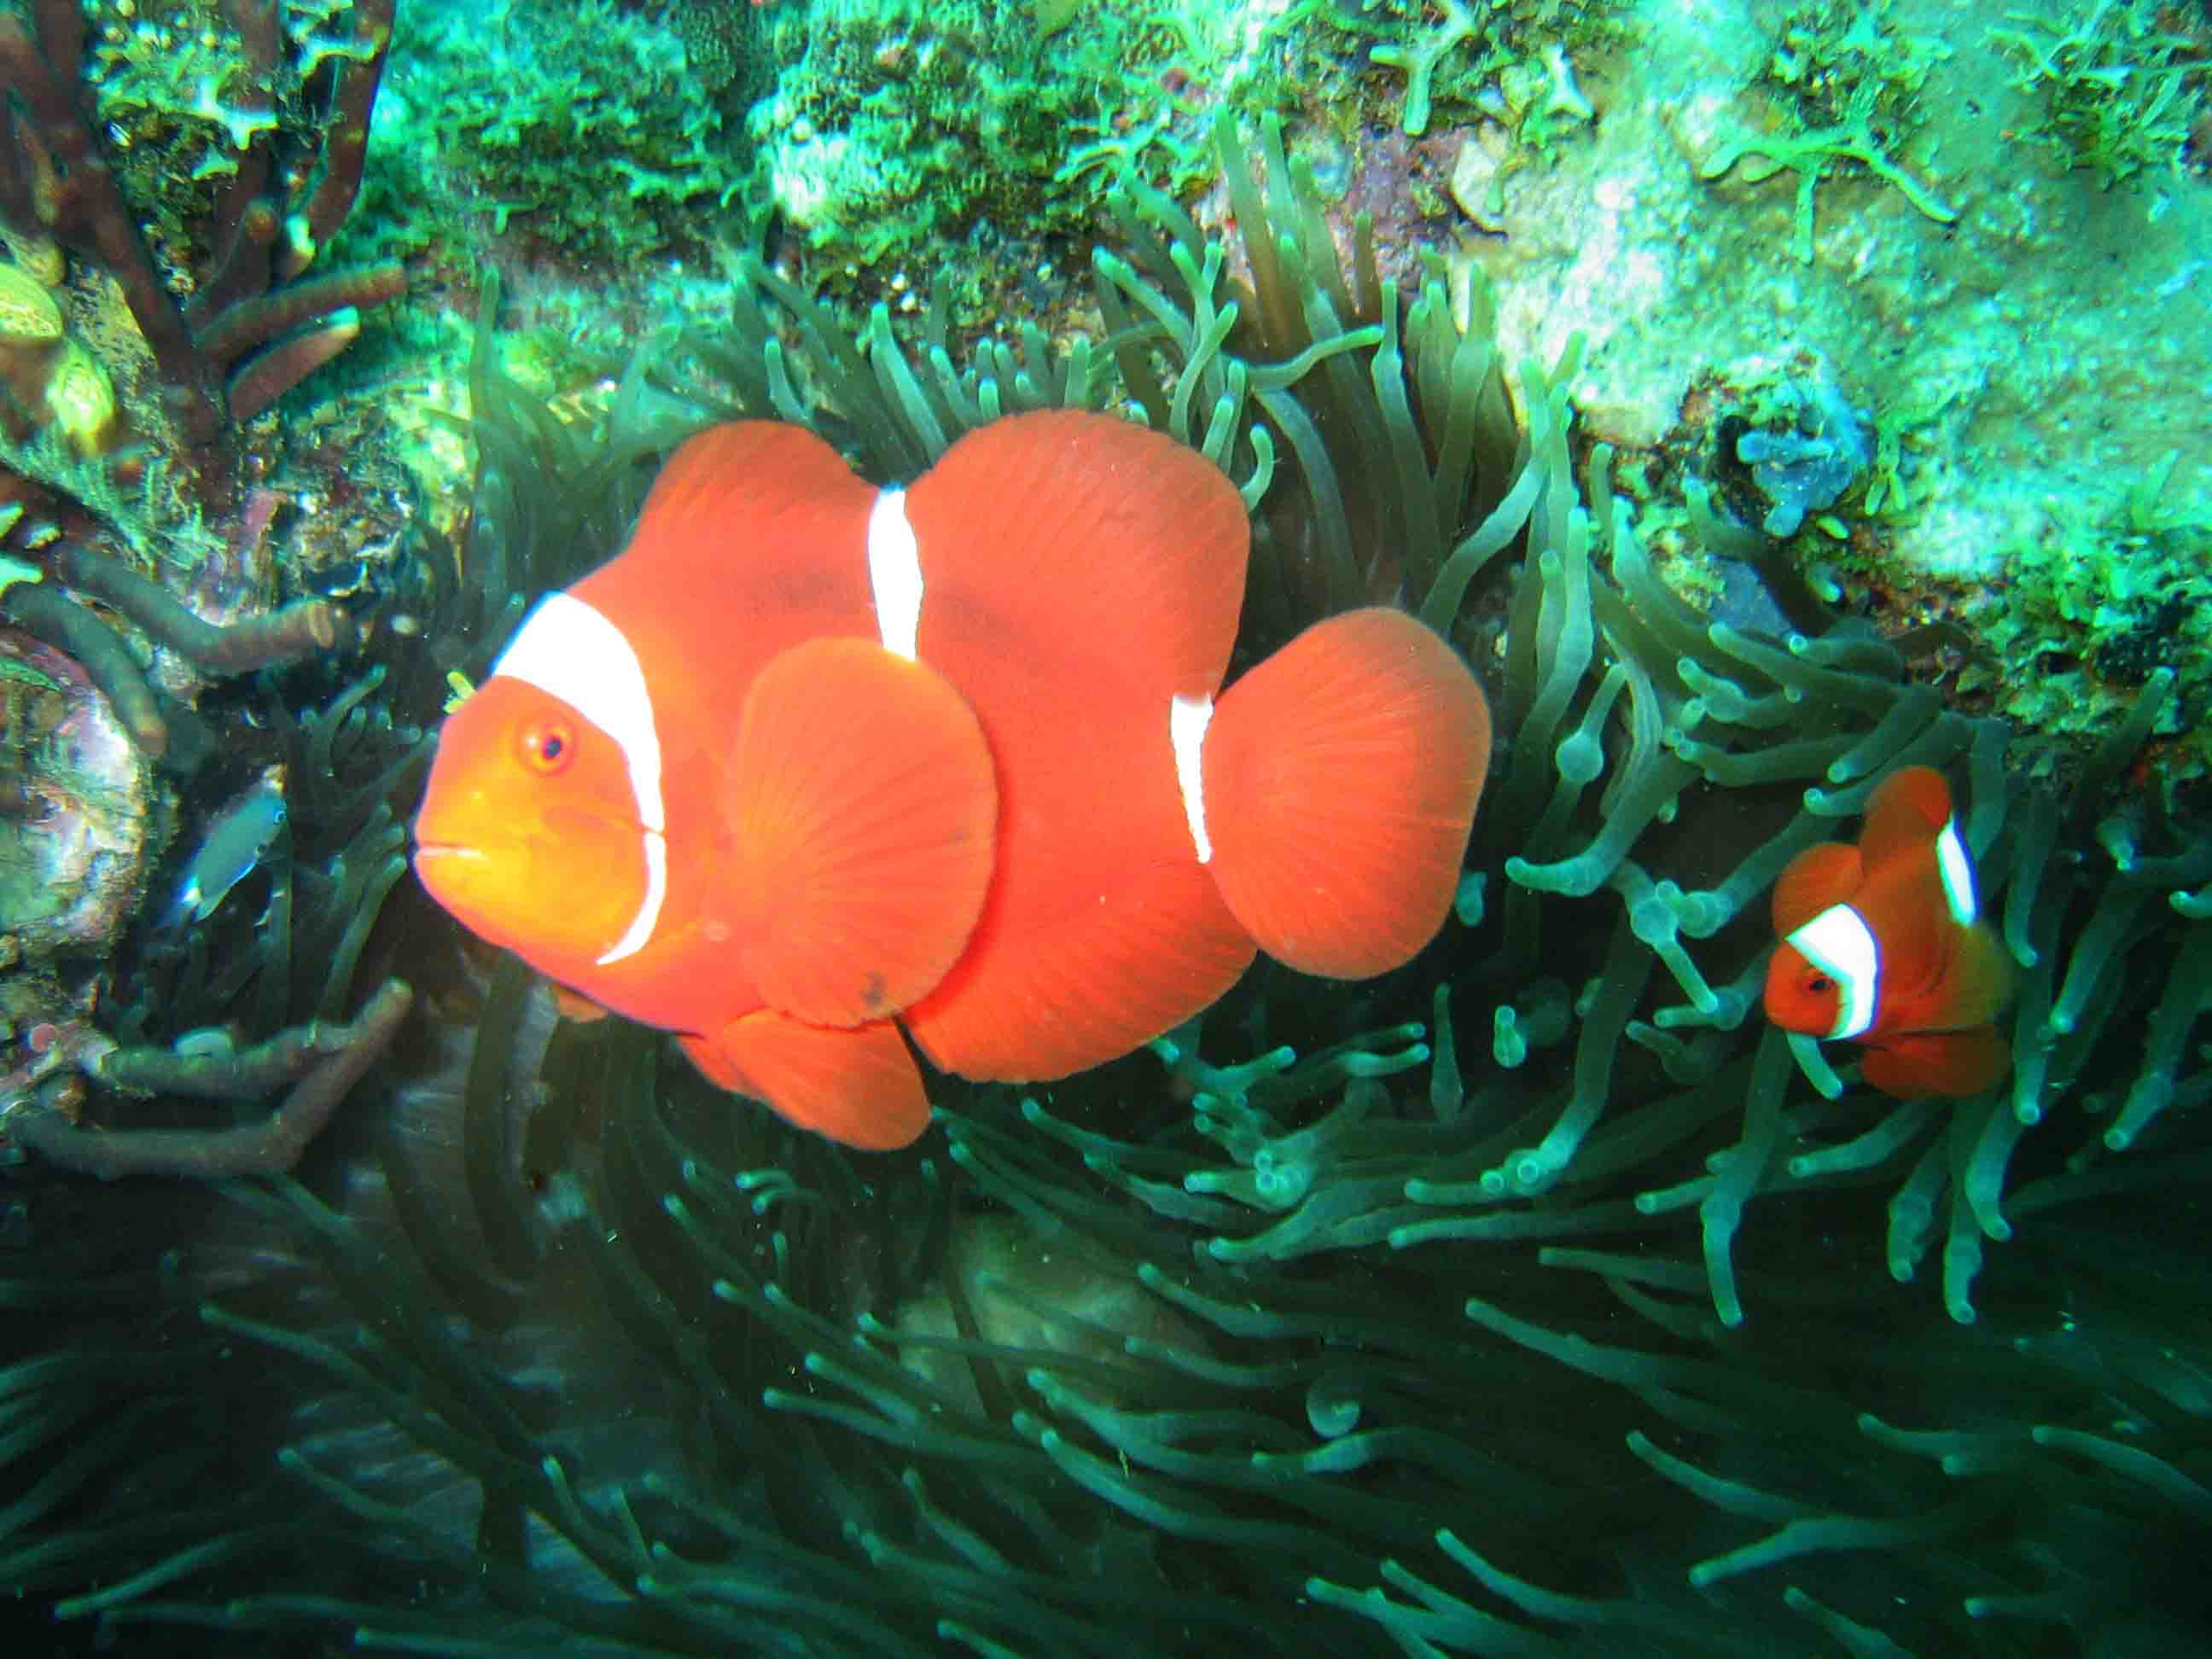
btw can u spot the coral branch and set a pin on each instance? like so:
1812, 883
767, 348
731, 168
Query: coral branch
42, 610
52, 617
346, 146
298, 629
72, 196
257, 321
246, 224
268, 375
55, 181
321, 1062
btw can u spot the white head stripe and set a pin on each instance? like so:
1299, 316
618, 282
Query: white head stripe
1188, 719
639, 932
1958, 872
1840, 945
569, 650
893, 573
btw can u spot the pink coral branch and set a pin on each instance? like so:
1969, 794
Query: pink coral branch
268, 374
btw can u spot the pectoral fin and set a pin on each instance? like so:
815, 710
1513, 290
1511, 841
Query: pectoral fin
860, 821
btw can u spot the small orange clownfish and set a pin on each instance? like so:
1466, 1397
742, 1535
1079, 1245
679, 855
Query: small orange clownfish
1883, 945
811, 768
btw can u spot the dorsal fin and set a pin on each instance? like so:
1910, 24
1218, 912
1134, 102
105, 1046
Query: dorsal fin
752, 506
739, 472
1820, 876
1907, 810
1083, 534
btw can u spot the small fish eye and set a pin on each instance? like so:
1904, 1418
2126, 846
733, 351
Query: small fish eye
546, 746
1820, 984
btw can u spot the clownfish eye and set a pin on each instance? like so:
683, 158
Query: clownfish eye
546, 746
1820, 985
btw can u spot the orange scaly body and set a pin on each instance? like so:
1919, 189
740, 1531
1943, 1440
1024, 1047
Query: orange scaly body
810, 761
1883, 945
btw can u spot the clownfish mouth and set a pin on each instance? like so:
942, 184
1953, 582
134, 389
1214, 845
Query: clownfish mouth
447, 850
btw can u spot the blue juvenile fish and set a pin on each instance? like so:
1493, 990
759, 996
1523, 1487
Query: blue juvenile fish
235, 844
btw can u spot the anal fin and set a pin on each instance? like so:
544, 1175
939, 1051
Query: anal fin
858, 1086
1952, 1064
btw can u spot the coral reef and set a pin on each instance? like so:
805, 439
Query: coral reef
244, 1001
1846, 87
607, 132
2096, 598
892, 122
169, 176
74, 837
256, 324
1507, 59
1804, 445
2125, 87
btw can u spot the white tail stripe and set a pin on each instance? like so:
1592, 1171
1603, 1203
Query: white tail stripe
895, 574
1840, 945
1958, 872
1188, 719
569, 650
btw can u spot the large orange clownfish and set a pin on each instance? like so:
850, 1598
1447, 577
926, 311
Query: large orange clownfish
810, 761
1883, 944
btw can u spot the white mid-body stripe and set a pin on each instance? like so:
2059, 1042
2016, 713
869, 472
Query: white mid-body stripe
569, 650
1958, 872
893, 573
1840, 945
1188, 719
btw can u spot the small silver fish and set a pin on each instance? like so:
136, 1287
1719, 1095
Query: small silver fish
236, 841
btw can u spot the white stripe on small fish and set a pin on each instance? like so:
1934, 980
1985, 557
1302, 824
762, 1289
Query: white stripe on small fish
1840, 945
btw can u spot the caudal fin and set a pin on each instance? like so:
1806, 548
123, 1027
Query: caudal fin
1340, 779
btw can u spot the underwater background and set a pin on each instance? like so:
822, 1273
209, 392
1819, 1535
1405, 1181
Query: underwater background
1763, 396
